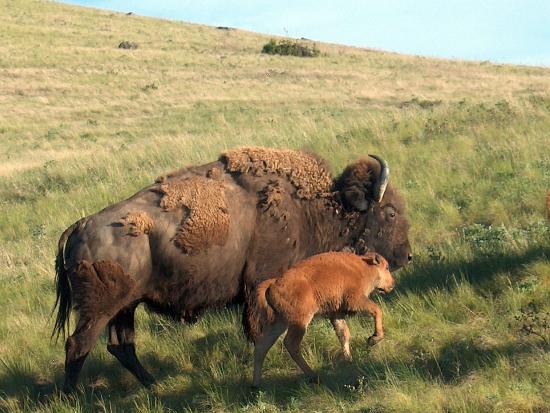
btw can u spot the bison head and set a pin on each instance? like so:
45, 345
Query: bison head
380, 223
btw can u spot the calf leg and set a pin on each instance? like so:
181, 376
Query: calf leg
376, 312
373, 309
362, 303
121, 344
342, 332
266, 340
292, 342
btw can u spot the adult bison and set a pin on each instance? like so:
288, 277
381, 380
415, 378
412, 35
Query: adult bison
204, 236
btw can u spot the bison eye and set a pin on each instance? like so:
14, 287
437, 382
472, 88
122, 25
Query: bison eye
390, 213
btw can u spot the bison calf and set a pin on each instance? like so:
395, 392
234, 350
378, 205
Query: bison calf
332, 285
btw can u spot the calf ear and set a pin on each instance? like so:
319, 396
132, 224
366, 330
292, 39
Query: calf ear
372, 259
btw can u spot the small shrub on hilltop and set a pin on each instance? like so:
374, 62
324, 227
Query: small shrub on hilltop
290, 48
127, 45
421, 103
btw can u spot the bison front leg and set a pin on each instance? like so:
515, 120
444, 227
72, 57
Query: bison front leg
121, 345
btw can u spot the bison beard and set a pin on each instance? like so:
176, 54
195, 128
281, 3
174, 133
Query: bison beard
205, 236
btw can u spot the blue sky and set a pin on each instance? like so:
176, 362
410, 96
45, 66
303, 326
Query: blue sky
500, 31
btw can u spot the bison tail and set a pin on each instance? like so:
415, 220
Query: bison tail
257, 312
63, 300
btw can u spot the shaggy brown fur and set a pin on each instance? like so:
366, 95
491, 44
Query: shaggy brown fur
99, 287
357, 179
214, 173
207, 222
333, 285
138, 223
310, 176
163, 178
270, 197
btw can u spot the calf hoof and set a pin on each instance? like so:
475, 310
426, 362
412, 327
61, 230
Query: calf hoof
373, 340
347, 357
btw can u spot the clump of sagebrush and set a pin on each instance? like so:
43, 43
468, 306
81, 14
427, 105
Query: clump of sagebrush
534, 322
290, 48
487, 239
127, 45
421, 103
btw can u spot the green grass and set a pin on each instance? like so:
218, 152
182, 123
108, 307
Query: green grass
85, 124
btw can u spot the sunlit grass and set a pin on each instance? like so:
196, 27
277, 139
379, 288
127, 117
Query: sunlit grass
85, 124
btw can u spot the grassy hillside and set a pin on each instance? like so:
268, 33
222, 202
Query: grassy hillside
84, 124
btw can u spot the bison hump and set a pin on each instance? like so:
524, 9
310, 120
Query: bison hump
309, 175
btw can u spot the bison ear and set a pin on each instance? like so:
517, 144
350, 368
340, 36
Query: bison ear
356, 198
363, 182
372, 259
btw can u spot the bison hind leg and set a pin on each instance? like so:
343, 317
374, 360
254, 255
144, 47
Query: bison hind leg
100, 290
121, 345
78, 346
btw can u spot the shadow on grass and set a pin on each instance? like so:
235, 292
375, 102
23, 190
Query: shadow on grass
454, 363
480, 271
107, 380
99, 379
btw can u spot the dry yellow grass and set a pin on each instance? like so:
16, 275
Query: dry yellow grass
61, 68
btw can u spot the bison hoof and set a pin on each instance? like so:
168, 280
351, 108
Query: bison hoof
313, 379
148, 381
373, 340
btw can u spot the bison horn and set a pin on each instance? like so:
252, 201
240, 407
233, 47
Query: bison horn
382, 182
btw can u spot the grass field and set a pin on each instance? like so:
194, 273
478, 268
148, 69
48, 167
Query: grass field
84, 124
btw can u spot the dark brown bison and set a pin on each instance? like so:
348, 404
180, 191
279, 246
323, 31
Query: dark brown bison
205, 236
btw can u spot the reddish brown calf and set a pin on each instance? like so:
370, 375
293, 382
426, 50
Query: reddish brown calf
332, 285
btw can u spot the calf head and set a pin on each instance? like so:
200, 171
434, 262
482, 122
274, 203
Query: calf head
364, 188
383, 281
